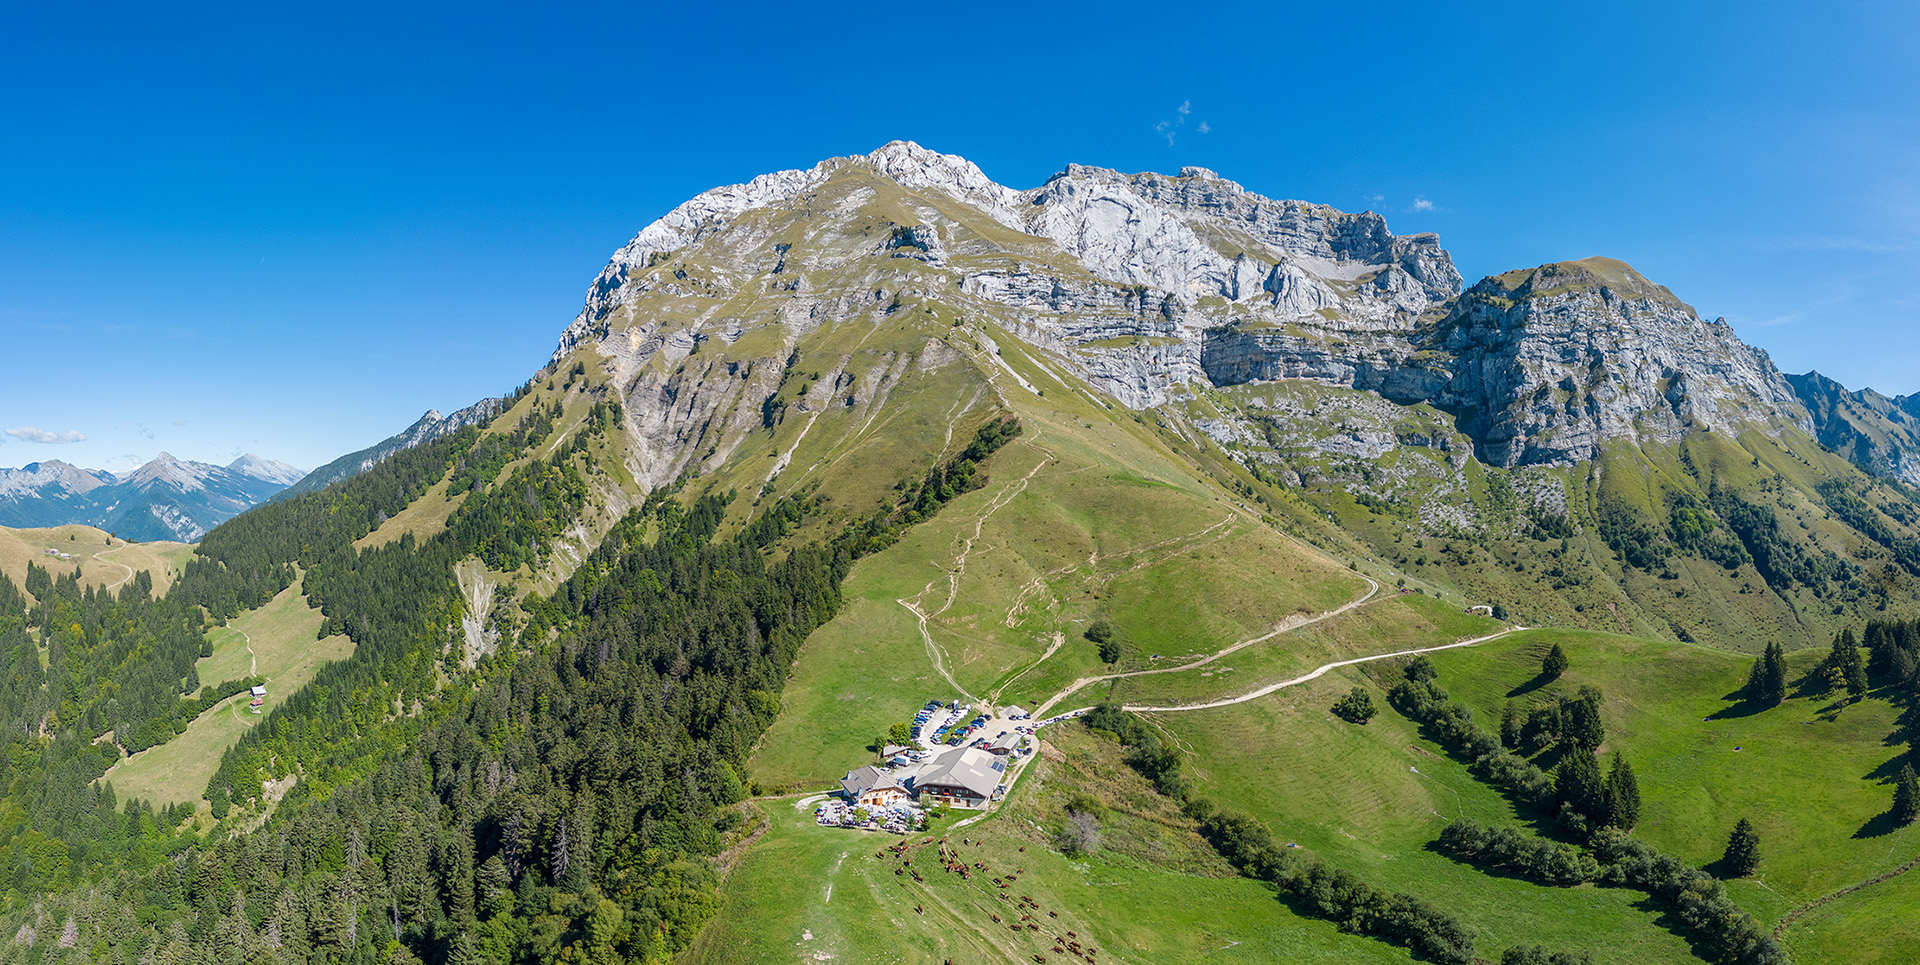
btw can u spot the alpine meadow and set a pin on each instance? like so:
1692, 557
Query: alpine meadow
889, 565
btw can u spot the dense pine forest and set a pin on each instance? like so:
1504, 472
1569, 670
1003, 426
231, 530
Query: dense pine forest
558, 802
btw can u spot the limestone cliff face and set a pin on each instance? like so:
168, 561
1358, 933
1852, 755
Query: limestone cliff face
1554, 361
1143, 286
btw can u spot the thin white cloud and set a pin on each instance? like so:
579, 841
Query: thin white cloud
1168, 129
31, 434
143, 429
1204, 128
1422, 204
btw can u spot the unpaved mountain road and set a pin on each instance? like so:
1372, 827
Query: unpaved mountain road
1322, 669
1287, 625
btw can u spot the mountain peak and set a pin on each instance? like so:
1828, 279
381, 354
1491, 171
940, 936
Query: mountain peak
166, 470
1595, 271
914, 166
269, 470
48, 476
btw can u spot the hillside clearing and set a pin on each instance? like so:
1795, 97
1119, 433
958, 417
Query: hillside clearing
277, 642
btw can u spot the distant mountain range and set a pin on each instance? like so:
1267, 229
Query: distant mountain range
165, 499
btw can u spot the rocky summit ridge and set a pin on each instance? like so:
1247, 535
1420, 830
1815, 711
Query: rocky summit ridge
430, 426
1150, 287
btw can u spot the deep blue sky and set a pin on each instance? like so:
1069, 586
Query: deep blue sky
291, 231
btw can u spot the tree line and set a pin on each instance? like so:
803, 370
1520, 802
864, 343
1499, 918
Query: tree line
1313, 887
1597, 810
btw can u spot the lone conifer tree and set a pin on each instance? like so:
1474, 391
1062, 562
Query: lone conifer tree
1906, 796
1767, 682
1845, 657
1743, 850
1623, 793
1555, 662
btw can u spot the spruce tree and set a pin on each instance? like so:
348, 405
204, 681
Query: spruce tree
1767, 682
1555, 663
1846, 657
1420, 669
1879, 643
1906, 796
1577, 783
1583, 726
1510, 726
1623, 794
1743, 850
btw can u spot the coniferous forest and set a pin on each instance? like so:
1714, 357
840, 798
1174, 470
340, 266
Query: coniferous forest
558, 802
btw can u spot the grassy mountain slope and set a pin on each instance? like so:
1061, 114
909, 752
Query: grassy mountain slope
1709, 539
1367, 798
1087, 516
278, 642
540, 741
1177, 591
103, 560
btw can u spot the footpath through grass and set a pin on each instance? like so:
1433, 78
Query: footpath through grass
117, 559
1059, 536
1384, 624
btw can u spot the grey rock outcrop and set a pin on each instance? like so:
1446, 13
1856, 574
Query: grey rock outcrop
1554, 361
1141, 284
